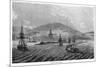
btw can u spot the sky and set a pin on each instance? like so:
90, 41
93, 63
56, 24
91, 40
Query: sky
32, 15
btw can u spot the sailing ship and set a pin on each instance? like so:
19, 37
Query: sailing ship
22, 45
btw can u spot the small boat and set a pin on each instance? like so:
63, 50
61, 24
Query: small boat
22, 48
72, 49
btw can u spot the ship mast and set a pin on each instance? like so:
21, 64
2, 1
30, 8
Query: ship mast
22, 45
50, 34
60, 40
22, 37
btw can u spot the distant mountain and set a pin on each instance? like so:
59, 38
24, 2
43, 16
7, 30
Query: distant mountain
91, 34
56, 26
44, 30
86, 36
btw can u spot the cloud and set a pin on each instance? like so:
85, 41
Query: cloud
26, 22
14, 15
38, 14
30, 27
82, 18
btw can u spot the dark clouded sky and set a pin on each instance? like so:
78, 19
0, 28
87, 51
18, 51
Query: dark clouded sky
34, 14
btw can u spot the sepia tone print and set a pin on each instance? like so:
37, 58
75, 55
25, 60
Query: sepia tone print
52, 32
